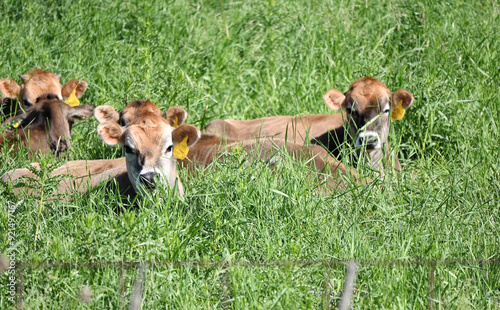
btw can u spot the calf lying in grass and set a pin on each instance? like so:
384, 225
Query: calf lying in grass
45, 127
152, 143
369, 106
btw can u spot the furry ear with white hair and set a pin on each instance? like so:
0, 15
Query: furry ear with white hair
79, 85
111, 133
176, 116
335, 100
402, 96
191, 132
106, 113
9, 88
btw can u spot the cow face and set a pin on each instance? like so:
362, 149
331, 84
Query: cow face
368, 104
47, 124
37, 83
148, 142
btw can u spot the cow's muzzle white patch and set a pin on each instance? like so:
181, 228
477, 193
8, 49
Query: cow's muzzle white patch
370, 140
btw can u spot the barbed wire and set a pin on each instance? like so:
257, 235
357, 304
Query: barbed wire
351, 266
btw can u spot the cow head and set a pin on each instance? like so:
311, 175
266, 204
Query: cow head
368, 104
148, 141
50, 120
37, 83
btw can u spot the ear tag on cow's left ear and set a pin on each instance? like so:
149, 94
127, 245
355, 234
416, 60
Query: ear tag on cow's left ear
399, 112
72, 100
15, 125
176, 123
181, 150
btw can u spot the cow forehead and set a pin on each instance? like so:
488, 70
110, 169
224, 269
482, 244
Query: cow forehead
41, 82
139, 108
369, 93
149, 133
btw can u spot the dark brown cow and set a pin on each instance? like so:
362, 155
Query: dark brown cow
45, 127
364, 122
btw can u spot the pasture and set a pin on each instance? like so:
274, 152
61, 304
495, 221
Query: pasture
247, 236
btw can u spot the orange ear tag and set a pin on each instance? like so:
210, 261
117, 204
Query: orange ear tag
399, 112
72, 100
176, 123
181, 150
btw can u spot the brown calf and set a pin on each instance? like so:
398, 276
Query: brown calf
35, 84
45, 127
365, 123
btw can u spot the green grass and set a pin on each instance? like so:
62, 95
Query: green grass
223, 59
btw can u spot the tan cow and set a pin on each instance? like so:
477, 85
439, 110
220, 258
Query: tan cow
34, 84
45, 127
149, 143
364, 122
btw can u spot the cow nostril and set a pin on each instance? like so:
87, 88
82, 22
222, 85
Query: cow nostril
148, 179
370, 141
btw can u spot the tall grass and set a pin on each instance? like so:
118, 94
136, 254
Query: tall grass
225, 59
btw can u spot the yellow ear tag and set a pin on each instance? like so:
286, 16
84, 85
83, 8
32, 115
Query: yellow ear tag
72, 100
181, 150
176, 123
399, 112
16, 125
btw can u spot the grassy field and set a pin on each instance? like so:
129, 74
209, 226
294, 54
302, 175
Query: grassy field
245, 236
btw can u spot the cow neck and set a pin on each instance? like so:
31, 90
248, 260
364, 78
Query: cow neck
334, 140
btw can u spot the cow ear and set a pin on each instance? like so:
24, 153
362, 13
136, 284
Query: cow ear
334, 99
9, 88
402, 96
106, 113
110, 132
78, 85
176, 116
80, 112
180, 133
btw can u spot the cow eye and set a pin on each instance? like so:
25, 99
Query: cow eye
128, 149
26, 103
169, 149
387, 111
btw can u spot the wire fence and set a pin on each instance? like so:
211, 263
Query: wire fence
352, 268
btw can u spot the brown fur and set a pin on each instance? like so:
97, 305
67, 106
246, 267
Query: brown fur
45, 127
37, 83
370, 96
206, 149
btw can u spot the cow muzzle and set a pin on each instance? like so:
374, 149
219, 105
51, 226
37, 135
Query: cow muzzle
148, 180
370, 140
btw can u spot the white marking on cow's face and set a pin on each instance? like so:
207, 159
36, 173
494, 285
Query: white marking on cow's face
368, 139
149, 156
